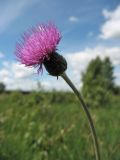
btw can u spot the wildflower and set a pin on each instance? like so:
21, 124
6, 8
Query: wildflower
38, 47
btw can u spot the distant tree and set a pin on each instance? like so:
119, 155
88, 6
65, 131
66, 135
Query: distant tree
107, 72
2, 87
98, 82
116, 90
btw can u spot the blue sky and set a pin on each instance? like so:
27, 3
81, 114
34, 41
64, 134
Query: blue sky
88, 27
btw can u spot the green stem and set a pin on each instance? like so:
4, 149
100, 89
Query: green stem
96, 146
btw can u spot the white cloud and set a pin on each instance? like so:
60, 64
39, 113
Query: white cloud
53, 83
21, 72
78, 62
16, 76
4, 73
73, 19
111, 27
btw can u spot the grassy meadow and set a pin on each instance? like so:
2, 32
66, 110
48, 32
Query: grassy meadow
52, 126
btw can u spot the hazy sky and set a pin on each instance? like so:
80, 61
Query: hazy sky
89, 28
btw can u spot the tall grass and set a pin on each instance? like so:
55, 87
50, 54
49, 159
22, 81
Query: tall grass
51, 126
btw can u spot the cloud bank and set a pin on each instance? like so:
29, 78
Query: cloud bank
111, 28
16, 76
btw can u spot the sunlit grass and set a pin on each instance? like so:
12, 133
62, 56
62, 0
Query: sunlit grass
52, 126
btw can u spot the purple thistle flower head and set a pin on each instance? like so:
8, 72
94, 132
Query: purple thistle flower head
38, 46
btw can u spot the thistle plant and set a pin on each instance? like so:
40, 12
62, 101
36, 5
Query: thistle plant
38, 48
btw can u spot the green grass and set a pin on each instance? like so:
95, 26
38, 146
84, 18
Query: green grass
41, 126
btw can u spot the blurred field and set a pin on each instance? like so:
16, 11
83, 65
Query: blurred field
52, 126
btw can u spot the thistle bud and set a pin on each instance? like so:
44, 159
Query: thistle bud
55, 65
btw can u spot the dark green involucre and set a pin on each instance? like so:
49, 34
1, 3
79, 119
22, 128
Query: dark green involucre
56, 65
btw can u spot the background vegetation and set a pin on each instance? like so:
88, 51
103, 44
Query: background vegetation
51, 125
